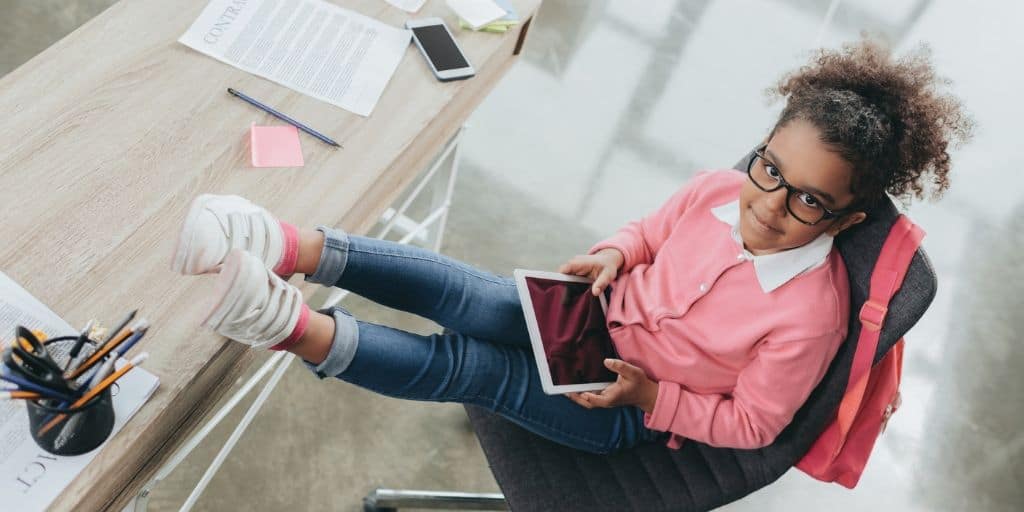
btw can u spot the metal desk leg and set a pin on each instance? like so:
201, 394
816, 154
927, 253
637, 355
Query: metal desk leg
411, 229
281, 360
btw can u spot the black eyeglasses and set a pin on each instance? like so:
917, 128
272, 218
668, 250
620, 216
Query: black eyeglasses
803, 206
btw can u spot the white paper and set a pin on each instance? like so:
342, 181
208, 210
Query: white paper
407, 5
31, 478
311, 46
477, 12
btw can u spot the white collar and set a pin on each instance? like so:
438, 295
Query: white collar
774, 270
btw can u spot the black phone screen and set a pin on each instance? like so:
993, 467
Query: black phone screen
440, 47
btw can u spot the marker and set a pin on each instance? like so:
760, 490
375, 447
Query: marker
79, 343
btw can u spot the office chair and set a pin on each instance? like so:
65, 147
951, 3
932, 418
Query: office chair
536, 474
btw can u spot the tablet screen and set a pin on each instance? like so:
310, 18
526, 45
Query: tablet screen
572, 330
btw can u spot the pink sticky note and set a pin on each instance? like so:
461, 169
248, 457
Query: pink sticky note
275, 146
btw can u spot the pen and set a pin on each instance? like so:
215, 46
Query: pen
120, 327
113, 334
78, 344
140, 330
98, 356
28, 386
283, 117
95, 391
104, 370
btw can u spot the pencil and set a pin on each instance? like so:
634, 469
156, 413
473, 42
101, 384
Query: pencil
95, 391
75, 363
283, 117
107, 347
140, 331
29, 386
120, 327
104, 370
22, 395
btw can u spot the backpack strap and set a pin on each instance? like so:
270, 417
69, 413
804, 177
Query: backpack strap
899, 248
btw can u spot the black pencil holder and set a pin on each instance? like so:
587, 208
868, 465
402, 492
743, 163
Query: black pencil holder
83, 428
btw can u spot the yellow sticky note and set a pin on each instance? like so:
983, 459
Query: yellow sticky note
275, 146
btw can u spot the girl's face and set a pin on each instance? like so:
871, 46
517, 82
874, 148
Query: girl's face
795, 152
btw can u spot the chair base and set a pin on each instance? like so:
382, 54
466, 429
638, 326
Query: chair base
389, 500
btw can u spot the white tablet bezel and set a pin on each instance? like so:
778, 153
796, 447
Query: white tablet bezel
539, 356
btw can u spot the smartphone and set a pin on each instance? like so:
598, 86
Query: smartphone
437, 44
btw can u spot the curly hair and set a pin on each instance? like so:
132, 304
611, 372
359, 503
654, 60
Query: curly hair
886, 117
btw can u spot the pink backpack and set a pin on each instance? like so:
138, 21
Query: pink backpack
872, 393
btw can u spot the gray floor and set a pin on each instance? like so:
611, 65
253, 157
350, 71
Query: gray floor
614, 106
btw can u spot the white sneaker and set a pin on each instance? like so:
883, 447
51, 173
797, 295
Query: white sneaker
255, 306
217, 224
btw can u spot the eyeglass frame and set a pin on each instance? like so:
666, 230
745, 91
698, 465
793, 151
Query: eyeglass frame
790, 190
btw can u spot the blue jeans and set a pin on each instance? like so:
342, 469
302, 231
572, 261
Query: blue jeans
486, 360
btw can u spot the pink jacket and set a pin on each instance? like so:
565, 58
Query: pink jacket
733, 362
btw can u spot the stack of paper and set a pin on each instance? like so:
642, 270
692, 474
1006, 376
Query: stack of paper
485, 15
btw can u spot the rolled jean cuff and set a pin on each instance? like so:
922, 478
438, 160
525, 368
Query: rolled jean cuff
333, 257
343, 346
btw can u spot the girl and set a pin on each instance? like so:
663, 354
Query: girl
726, 305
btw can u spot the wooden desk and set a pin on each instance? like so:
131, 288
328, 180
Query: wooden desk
109, 134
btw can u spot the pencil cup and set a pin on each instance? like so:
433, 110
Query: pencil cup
83, 428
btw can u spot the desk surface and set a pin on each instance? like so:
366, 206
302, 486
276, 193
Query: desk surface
111, 132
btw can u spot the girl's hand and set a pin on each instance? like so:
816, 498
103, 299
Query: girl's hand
631, 388
602, 267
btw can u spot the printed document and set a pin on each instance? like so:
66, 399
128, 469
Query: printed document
311, 46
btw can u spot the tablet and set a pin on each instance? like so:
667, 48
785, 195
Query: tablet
567, 330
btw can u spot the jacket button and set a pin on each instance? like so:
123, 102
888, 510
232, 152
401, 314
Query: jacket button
703, 287
740, 256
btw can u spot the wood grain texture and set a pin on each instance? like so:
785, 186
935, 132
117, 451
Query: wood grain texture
111, 132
